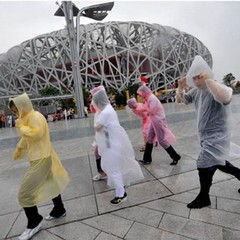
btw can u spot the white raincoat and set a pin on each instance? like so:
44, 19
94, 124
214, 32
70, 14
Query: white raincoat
114, 146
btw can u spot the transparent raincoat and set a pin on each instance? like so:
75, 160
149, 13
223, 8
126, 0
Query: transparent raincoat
156, 113
212, 106
114, 146
45, 177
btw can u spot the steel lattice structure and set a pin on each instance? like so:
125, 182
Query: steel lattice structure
114, 54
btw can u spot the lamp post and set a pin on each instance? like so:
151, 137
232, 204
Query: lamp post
69, 10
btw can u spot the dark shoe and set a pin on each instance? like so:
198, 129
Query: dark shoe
199, 204
175, 161
119, 200
239, 190
173, 154
144, 162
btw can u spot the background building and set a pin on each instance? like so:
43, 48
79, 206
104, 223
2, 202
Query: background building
115, 54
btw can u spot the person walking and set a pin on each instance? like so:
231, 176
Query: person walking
101, 174
159, 127
211, 101
46, 177
116, 151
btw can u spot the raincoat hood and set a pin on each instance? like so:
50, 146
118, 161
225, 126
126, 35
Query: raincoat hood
23, 104
94, 90
100, 99
199, 65
144, 91
132, 103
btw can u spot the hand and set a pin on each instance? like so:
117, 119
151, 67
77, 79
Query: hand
182, 82
92, 109
18, 123
18, 154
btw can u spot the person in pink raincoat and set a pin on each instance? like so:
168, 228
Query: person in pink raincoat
158, 128
139, 110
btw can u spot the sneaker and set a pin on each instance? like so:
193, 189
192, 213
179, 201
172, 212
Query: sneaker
99, 177
50, 218
28, 233
119, 200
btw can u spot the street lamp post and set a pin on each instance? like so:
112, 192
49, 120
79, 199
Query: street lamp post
69, 10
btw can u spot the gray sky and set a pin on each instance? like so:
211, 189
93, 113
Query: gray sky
216, 24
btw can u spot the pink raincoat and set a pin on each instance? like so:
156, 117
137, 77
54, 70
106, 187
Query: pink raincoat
159, 126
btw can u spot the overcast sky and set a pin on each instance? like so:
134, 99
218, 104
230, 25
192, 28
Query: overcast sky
216, 24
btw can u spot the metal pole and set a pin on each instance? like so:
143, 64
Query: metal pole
68, 12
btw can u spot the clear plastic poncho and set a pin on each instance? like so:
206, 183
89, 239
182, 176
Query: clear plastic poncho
45, 177
114, 146
212, 116
198, 66
156, 113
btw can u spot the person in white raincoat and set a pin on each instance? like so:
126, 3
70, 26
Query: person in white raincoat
159, 127
45, 178
211, 101
117, 154
101, 174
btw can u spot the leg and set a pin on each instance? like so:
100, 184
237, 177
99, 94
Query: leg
173, 154
101, 174
33, 217
229, 168
205, 178
34, 223
147, 156
121, 195
58, 209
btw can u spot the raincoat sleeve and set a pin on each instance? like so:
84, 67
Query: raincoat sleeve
20, 149
220, 92
34, 130
189, 96
100, 121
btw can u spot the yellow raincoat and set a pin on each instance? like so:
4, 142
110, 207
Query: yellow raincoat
46, 177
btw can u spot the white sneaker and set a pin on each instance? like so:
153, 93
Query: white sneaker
99, 177
50, 218
28, 233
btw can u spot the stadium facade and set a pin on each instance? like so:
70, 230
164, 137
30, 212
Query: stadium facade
114, 54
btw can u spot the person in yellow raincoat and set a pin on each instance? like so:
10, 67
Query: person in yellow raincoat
46, 177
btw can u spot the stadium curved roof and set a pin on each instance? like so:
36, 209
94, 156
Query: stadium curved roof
114, 54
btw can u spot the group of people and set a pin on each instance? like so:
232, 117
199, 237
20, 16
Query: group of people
46, 177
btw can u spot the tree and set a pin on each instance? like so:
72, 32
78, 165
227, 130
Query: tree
228, 79
48, 91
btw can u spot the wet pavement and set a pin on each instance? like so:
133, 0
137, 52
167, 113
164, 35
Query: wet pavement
156, 207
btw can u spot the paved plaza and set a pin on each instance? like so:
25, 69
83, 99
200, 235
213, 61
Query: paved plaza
156, 208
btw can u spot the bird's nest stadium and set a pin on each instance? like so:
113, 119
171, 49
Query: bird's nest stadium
114, 54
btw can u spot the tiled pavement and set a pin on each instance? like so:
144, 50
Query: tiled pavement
156, 207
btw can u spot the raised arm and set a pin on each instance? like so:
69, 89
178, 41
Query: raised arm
220, 92
182, 86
